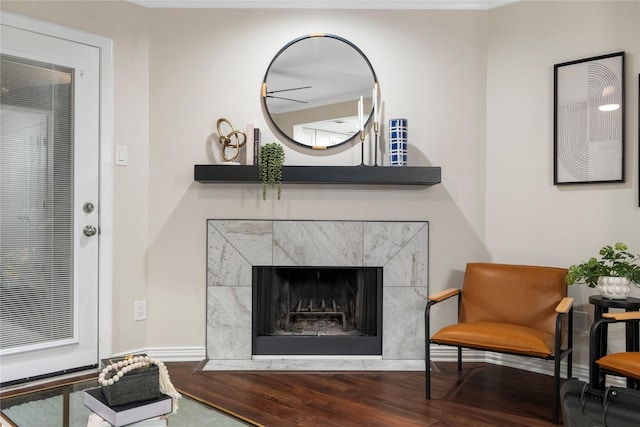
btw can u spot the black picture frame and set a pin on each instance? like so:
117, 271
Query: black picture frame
588, 113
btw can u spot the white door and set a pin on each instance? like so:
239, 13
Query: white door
49, 206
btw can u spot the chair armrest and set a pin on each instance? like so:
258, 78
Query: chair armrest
627, 315
564, 305
443, 295
433, 300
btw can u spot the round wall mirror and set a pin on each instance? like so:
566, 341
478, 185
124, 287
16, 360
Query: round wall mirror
312, 88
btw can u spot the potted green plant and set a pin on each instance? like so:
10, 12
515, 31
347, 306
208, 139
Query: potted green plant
612, 273
270, 167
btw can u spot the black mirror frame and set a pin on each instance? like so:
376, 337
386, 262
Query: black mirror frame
263, 90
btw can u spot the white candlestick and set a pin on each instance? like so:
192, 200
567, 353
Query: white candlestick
360, 114
375, 102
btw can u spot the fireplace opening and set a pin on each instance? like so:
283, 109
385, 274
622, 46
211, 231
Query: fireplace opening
317, 310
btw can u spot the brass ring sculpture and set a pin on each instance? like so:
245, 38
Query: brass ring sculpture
225, 140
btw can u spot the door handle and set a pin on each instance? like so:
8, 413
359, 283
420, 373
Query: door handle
89, 230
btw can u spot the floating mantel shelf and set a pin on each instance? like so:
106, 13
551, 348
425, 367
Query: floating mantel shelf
375, 175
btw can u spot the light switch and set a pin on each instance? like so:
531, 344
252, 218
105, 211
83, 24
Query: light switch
140, 310
122, 155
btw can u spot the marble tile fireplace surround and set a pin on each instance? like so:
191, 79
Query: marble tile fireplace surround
234, 247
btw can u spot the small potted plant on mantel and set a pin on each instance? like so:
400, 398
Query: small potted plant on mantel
270, 164
611, 274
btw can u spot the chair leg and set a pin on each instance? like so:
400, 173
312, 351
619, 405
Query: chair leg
556, 389
596, 376
427, 371
427, 352
459, 359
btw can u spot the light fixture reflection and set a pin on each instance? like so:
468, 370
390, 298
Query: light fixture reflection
608, 99
609, 107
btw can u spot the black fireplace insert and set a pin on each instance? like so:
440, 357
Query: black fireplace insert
317, 310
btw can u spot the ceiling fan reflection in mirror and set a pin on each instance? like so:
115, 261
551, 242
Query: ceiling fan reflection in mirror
317, 78
270, 94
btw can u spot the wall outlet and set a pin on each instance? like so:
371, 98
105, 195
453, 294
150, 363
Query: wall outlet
581, 321
140, 310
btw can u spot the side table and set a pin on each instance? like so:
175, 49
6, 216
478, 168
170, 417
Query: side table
632, 332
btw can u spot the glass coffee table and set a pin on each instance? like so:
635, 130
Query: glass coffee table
62, 405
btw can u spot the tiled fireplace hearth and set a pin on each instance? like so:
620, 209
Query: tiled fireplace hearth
235, 247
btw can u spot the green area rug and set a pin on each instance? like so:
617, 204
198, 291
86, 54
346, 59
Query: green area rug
48, 413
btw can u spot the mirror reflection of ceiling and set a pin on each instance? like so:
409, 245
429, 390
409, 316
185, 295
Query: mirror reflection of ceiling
325, 4
313, 87
316, 72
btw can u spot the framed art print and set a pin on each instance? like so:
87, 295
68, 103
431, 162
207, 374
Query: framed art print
589, 120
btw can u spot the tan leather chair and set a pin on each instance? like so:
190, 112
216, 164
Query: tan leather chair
623, 364
514, 309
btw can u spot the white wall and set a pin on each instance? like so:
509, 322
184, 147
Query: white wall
207, 64
528, 218
476, 87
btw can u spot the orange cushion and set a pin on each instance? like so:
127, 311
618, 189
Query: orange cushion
627, 363
501, 337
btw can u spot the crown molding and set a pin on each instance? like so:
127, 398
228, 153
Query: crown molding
324, 4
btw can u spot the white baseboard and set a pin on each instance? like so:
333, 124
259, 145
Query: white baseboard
172, 354
450, 354
438, 354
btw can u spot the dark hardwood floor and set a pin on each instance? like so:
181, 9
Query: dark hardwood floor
481, 395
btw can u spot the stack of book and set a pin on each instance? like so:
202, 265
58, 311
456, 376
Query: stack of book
147, 413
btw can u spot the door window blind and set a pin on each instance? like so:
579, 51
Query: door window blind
36, 205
